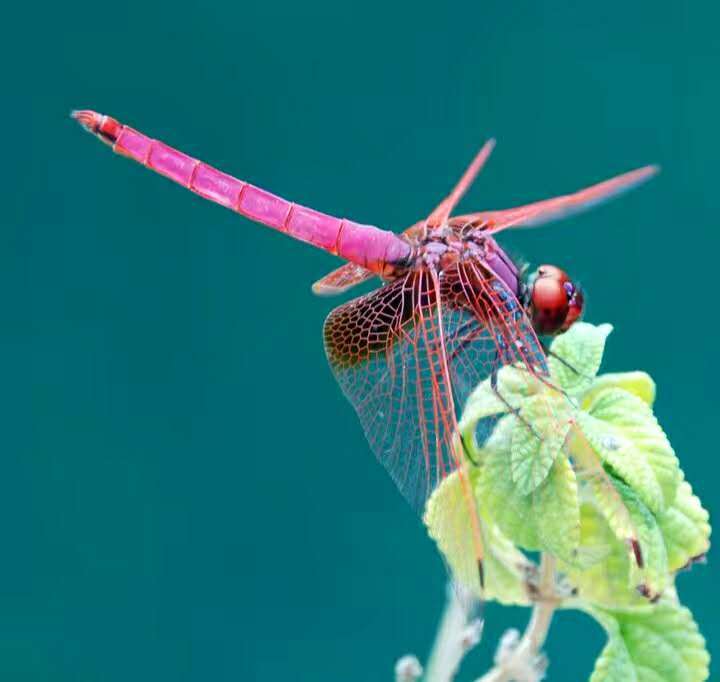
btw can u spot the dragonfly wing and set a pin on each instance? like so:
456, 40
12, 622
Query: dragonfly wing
377, 349
538, 213
341, 279
448, 204
407, 354
387, 352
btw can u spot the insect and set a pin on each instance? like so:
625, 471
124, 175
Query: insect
453, 308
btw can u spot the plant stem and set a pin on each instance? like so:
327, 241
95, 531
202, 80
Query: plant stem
524, 663
515, 661
455, 637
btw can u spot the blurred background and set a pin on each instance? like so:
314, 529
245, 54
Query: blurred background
185, 494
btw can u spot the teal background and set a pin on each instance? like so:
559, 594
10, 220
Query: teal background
185, 494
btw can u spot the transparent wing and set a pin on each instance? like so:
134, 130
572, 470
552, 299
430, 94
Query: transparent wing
383, 350
557, 208
443, 210
530, 215
409, 353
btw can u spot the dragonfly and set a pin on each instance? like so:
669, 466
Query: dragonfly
453, 308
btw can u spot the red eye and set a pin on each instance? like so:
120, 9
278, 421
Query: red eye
555, 302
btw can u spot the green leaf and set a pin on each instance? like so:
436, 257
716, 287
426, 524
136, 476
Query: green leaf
652, 576
497, 492
606, 572
534, 445
599, 487
593, 481
685, 527
624, 432
639, 384
546, 519
576, 355
632, 417
659, 643
614, 663
506, 567
448, 522
618, 451
514, 384
601, 574
557, 511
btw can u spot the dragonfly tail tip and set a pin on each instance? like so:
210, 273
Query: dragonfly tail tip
104, 127
90, 120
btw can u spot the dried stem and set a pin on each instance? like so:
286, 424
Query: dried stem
408, 669
455, 637
516, 660
523, 661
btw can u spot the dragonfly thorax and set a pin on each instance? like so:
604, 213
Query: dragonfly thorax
444, 250
439, 249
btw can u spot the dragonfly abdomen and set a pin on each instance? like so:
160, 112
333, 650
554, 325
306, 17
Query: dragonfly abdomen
372, 248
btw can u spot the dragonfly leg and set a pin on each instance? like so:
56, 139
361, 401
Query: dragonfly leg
551, 353
467, 338
544, 378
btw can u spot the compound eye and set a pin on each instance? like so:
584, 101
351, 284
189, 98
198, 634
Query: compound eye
549, 303
555, 302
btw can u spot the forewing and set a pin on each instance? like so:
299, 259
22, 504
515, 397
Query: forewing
442, 212
538, 213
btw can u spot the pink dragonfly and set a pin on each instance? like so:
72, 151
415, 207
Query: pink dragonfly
452, 310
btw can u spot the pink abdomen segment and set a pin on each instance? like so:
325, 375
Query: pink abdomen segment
368, 246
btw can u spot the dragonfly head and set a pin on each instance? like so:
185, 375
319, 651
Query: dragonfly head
104, 127
555, 301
